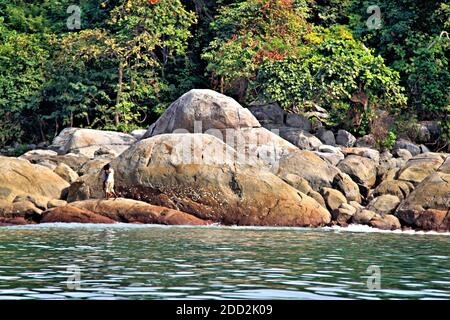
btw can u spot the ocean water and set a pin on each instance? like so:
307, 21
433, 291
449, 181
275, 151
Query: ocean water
74, 261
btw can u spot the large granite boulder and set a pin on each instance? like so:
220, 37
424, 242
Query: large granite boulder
207, 111
20, 209
327, 137
398, 188
20, 177
198, 174
385, 222
362, 170
420, 167
66, 172
385, 204
87, 141
428, 206
347, 186
298, 121
309, 166
345, 138
333, 198
200, 110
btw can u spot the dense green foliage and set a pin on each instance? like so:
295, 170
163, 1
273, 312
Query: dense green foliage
131, 58
339, 73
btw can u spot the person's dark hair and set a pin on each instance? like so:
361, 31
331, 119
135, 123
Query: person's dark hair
106, 167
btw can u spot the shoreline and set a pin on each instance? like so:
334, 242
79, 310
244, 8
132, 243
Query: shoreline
352, 228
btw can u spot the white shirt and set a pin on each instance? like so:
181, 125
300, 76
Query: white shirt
108, 176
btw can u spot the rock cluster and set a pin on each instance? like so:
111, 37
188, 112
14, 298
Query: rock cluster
209, 160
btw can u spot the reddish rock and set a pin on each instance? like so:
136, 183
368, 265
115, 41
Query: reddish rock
72, 214
132, 211
13, 221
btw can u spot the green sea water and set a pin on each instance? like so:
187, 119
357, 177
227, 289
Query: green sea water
73, 261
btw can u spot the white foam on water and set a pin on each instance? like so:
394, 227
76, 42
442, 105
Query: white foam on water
355, 228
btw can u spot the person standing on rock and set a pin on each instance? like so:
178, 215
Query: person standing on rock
108, 181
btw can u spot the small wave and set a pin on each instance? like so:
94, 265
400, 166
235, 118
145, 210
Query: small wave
368, 229
356, 228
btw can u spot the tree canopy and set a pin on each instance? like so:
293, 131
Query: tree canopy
125, 61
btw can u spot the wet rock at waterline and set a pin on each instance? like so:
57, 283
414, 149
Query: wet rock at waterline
428, 206
72, 214
119, 210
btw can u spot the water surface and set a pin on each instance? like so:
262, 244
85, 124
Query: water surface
73, 261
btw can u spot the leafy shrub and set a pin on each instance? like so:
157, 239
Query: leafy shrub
339, 74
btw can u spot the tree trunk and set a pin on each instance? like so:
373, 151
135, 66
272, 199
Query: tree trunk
119, 94
221, 85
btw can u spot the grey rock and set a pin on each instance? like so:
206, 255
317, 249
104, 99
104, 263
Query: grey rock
300, 138
403, 153
298, 121
362, 170
385, 204
268, 113
367, 141
345, 138
363, 217
327, 137
138, 133
408, 145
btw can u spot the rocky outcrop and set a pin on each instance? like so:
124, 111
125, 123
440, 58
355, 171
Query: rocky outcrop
400, 189
20, 177
312, 168
427, 207
383, 205
132, 211
207, 182
72, 214
51, 159
362, 170
208, 159
87, 141
200, 110
119, 210
209, 112
420, 167
66, 172
385, 222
